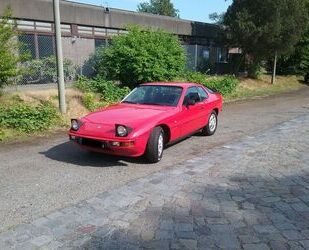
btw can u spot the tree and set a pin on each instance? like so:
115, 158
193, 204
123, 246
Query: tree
159, 7
217, 18
9, 57
266, 28
142, 55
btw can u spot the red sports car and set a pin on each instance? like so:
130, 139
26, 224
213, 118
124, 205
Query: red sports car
150, 117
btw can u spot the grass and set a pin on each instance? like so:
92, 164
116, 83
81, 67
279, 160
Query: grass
75, 108
249, 88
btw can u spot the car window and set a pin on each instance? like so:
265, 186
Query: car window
202, 93
155, 95
190, 91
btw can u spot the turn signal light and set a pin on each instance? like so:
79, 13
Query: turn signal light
122, 144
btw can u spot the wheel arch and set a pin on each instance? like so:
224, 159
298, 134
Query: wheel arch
167, 132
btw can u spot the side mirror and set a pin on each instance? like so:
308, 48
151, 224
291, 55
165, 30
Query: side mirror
190, 102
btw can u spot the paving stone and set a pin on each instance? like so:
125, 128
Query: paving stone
265, 229
295, 245
186, 235
217, 221
250, 238
305, 243
164, 235
300, 207
41, 240
278, 245
259, 246
188, 244
292, 234
271, 199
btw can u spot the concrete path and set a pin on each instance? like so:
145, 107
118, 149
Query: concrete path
249, 194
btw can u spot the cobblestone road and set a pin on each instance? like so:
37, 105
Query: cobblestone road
250, 194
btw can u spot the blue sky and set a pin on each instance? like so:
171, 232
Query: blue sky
197, 10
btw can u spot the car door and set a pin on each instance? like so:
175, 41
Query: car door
190, 114
205, 106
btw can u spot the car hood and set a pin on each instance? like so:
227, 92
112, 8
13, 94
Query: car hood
127, 114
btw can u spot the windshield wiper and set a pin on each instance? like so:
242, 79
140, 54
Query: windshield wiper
129, 102
150, 103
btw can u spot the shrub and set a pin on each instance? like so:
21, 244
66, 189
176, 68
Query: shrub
223, 84
109, 92
28, 118
91, 102
142, 55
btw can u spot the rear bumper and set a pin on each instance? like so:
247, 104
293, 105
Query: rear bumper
120, 147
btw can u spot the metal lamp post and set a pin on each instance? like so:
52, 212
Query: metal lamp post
60, 73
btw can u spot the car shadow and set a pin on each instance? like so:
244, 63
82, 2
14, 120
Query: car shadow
68, 152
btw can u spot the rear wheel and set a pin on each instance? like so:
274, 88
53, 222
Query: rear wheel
212, 124
155, 145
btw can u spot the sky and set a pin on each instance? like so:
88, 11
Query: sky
197, 10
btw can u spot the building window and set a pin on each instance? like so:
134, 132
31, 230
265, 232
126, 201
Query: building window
25, 25
45, 44
45, 27
27, 45
100, 31
99, 43
222, 55
66, 28
111, 32
85, 30
206, 54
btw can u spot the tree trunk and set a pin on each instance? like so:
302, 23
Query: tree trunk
273, 78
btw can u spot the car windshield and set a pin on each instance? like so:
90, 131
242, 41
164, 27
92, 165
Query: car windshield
154, 95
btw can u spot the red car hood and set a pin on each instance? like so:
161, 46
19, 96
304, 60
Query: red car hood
126, 114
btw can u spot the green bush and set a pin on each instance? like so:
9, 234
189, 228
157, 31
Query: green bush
91, 102
223, 84
28, 118
109, 92
142, 55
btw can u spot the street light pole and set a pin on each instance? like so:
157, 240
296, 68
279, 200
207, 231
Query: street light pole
60, 74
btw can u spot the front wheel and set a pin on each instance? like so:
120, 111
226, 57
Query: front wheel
155, 145
212, 124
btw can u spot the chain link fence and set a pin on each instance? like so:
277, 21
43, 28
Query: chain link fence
40, 66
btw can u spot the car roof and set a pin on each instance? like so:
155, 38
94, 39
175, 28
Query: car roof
177, 84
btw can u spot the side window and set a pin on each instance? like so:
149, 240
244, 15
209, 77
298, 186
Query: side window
202, 93
192, 91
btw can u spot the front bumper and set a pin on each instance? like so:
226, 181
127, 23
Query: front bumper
120, 147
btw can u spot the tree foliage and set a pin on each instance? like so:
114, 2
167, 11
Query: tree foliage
159, 7
265, 27
217, 18
142, 55
9, 57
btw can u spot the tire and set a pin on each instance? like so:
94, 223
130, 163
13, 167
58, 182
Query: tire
212, 125
155, 145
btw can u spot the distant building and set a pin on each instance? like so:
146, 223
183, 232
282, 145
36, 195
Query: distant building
86, 27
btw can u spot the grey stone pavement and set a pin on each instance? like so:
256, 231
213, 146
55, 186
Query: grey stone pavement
249, 194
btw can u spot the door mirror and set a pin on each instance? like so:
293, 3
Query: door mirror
190, 102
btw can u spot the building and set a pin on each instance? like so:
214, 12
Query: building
85, 27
